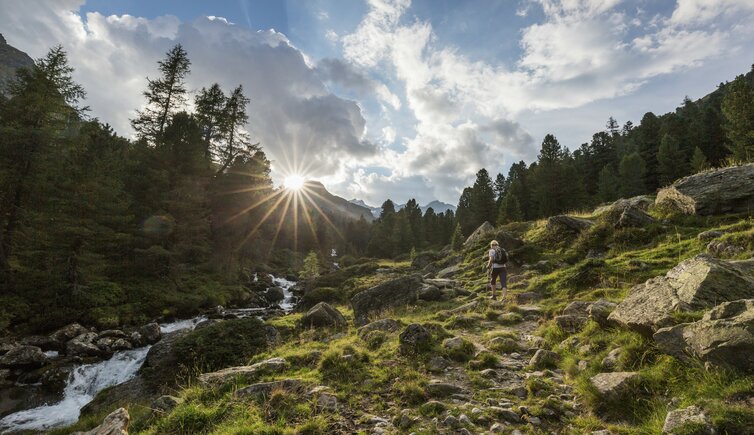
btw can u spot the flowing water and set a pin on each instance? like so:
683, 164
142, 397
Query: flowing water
86, 380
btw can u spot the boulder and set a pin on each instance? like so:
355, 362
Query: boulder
706, 236
694, 284
633, 217
437, 364
544, 358
691, 420
429, 292
614, 386
23, 357
415, 338
150, 333
274, 295
568, 224
723, 249
599, 312
577, 308
441, 283
83, 345
449, 271
114, 424
68, 332
455, 344
43, 342
424, 259
263, 389
611, 360
393, 293
443, 389
479, 234
570, 323
508, 240
385, 325
165, 404
323, 315
724, 337
266, 367
720, 191
642, 202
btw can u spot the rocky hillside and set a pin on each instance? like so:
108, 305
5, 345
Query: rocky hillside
10, 60
636, 318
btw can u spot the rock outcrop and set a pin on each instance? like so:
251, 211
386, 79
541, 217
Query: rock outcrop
727, 190
114, 424
724, 337
266, 367
698, 283
479, 234
393, 293
323, 315
568, 224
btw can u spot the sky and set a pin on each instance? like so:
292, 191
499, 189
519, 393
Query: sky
401, 99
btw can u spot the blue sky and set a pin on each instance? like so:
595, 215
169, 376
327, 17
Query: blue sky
401, 98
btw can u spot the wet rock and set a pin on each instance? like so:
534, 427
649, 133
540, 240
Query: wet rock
165, 404
726, 190
266, 367
68, 332
274, 295
724, 337
393, 293
323, 315
568, 224
544, 358
614, 386
114, 424
263, 389
481, 233
691, 420
23, 357
414, 339
150, 333
694, 284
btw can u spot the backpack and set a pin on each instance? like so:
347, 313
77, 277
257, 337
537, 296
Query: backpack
501, 257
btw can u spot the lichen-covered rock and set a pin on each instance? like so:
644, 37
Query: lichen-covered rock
726, 190
724, 337
633, 217
430, 292
706, 236
114, 424
68, 332
449, 271
23, 357
723, 249
323, 315
600, 310
415, 338
393, 293
544, 358
83, 345
687, 421
266, 367
568, 223
698, 283
479, 234
614, 386
385, 325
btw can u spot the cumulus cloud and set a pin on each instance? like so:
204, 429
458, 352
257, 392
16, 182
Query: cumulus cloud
345, 74
300, 123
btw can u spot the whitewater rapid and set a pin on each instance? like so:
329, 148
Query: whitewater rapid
86, 380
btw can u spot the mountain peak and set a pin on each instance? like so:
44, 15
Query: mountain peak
2, 40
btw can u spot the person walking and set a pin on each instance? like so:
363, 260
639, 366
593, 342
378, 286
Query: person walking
497, 268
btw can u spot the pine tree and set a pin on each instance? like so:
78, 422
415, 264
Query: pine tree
165, 96
632, 171
210, 114
509, 211
499, 188
608, 187
738, 109
670, 161
311, 266
482, 201
235, 138
699, 161
456, 242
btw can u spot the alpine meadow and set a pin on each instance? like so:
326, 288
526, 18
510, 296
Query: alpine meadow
564, 241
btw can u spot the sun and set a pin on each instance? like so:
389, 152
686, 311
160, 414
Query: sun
294, 182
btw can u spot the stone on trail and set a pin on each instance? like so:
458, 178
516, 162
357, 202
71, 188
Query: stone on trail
720, 191
437, 364
266, 367
323, 315
698, 283
724, 337
481, 233
680, 421
389, 294
437, 388
114, 424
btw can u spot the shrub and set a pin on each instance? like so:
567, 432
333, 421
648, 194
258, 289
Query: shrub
223, 344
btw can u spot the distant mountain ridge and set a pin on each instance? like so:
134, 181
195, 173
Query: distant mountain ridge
11, 59
437, 206
334, 204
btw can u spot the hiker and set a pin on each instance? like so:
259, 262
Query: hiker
496, 267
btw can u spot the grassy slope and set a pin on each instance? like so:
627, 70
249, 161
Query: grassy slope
378, 380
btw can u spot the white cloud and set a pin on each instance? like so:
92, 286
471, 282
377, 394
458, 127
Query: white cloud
702, 11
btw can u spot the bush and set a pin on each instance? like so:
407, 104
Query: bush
223, 344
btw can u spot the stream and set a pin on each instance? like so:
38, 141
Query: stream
86, 380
